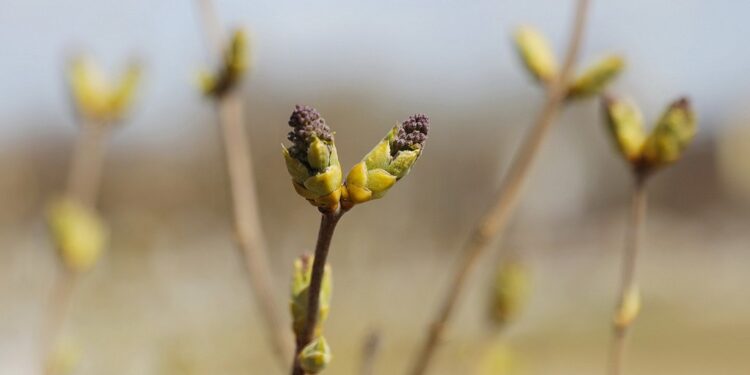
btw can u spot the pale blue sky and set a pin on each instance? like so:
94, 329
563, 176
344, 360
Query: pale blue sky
447, 51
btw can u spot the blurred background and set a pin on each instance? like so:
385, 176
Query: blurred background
171, 296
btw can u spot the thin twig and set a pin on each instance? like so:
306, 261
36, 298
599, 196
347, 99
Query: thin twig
249, 234
83, 182
328, 223
629, 263
369, 353
247, 221
57, 310
495, 219
84, 175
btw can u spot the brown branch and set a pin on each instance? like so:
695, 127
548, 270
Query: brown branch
249, 234
328, 223
247, 221
495, 219
629, 263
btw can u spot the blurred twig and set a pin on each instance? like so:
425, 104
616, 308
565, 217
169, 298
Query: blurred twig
82, 185
83, 181
370, 350
495, 219
629, 261
247, 222
85, 170
57, 309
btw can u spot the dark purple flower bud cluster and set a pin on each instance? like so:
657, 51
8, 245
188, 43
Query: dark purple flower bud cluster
306, 123
411, 134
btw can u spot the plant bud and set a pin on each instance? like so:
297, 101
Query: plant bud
232, 69
536, 54
315, 356
509, 292
88, 88
299, 299
389, 161
674, 131
628, 309
95, 98
596, 77
79, 234
123, 95
497, 358
312, 160
626, 126
63, 360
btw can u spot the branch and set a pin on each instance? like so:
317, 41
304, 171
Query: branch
84, 175
328, 223
629, 263
247, 221
495, 219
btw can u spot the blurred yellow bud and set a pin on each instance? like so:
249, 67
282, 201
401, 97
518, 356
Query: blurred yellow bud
625, 123
497, 359
79, 234
96, 99
536, 54
510, 291
672, 134
232, 68
89, 88
667, 141
63, 360
315, 356
122, 96
628, 309
301, 278
596, 77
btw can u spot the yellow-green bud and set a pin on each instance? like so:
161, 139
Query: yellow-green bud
315, 356
122, 96
625, 123
96, 99
312, 160
237, 56
671, 135
233, 67
596, 77
509, 292
63, 360
389, 161
628, 308
78, 233
536, 54
319, 154
497, 358
299, 297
